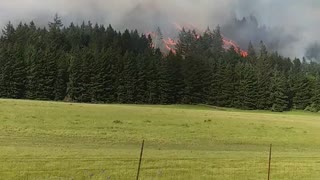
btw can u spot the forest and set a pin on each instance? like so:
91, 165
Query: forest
92, 63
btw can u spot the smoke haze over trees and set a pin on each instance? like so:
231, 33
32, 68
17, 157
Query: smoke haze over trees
248, 29
98, 64
313, 52
288, 26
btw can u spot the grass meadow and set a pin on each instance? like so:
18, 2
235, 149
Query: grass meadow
52, 140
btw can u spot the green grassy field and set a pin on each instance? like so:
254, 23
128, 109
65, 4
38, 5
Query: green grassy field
49, 140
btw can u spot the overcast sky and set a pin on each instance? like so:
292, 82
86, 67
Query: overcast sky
300, 17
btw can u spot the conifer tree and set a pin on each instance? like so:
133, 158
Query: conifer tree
127, 79
175, 76
278, 98
75, 74
217, 46
263, 74
247, 89
165, 87
302, 93
252, 55
142, 64
153, 77
315, 100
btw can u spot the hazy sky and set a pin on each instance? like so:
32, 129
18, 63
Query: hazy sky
299, 17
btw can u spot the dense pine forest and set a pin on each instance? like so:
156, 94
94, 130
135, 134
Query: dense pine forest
97, 64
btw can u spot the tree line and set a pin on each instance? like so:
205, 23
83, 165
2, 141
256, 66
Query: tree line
97, 64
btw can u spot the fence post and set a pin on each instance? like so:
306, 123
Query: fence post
270, 156
141, 153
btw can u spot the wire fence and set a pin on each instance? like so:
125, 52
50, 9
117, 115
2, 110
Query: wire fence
163, 168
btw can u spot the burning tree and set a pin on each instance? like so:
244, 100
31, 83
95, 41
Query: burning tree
167, 44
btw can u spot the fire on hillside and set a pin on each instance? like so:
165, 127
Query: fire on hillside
169, 43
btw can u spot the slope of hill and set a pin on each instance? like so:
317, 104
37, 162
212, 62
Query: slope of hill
50, 140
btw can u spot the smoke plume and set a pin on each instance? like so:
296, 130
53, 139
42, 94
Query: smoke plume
248, 29
288, 26
313, 52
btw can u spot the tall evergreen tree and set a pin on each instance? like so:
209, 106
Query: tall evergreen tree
302, 93
127, 79
278, 89
263, 74
153, 77
247, 89
75, 75
217, 46
315, 100
252, 55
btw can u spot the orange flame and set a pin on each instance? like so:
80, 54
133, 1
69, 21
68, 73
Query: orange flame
170, 43
227, 43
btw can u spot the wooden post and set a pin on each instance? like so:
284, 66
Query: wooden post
270, 157
141, 153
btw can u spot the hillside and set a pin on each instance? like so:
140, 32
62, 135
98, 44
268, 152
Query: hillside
63, 141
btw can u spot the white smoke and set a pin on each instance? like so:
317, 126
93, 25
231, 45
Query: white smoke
292, 17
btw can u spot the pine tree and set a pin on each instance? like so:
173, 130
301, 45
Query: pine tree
75, 77
175, 76
125, 42
263, 74
55, 64
247, 89
207, 42
222, 86
142, 64
34, 76
252, 55
302, 93
60, 88
105, 76
153, 77
217, 46
12, 65
278, 98
192, 80
8, 33
49, 71
165, 87
7, 75
315, 100
127, 80
186, 44
18, 75
227, 87
2, 63
86, 79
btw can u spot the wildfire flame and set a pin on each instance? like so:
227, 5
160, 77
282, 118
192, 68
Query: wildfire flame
227, 43
170, 44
